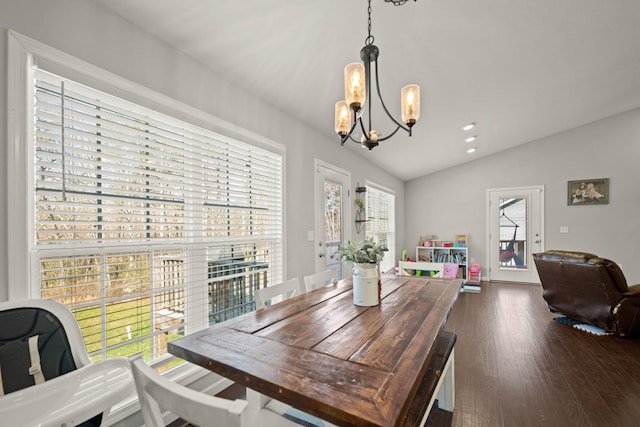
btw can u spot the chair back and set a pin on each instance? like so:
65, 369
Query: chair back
157, 393
318, 280
276, 293
39, 340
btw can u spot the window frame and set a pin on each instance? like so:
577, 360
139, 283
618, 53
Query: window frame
23, 53
391, 254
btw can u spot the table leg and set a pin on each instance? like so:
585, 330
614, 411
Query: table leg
445, 389
446, 392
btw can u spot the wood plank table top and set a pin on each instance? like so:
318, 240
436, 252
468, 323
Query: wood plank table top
320, 353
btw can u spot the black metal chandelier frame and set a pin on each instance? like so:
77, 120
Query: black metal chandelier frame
368, 54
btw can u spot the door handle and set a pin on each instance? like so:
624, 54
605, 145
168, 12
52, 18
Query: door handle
322, 251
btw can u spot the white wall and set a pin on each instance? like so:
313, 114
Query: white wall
98, 36
453, 201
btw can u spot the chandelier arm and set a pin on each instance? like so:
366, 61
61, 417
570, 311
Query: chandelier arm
354, 140
364, 131
390, 135
367, 79
348, 134
400, 125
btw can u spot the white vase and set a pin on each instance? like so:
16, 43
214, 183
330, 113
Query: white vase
365, 284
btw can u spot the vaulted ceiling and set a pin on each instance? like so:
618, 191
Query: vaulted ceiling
520, 69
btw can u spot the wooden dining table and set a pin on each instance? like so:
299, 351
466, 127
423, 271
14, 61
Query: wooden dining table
321, 354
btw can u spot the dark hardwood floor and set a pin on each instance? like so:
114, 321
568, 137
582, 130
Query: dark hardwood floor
515, 366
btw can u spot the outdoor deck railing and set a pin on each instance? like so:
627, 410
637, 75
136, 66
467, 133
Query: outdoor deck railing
232, 285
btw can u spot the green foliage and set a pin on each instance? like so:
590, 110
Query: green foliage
363, 252
135, 313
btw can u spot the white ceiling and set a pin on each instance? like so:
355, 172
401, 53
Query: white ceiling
521, 69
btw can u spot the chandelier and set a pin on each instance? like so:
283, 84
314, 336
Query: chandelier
357, 92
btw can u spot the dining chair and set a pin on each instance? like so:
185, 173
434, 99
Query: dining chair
276, 293
156, 393
40, 339
317, 280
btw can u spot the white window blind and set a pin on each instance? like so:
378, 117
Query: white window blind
381, 222
147, 226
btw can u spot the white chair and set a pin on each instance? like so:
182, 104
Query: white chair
276, 293
157, 393
318, 280
16, 315
44, 365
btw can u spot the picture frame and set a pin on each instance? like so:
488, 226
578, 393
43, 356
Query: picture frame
594, 191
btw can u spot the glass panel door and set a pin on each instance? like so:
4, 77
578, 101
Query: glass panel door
514, 233
333, 213
333, 219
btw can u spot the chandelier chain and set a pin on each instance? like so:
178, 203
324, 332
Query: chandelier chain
369, 40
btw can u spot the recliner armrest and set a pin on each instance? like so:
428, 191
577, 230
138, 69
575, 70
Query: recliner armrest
633, 293
614, 271
626, 314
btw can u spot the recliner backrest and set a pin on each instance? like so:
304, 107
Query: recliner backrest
580, 285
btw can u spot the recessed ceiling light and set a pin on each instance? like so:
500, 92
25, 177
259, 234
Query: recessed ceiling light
469, 126
471, 138
471, 150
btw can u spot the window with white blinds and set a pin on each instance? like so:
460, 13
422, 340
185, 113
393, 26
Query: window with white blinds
381, 222
144, 225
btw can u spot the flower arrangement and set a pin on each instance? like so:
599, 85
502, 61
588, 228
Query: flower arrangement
363, 252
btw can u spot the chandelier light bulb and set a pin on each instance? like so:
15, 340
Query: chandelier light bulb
355, 85
410, 104
342, 118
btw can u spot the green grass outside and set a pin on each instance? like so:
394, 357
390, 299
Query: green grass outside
135, 313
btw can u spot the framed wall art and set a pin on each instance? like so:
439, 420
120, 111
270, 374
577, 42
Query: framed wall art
588, 192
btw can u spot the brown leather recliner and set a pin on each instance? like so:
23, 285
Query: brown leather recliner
589, 289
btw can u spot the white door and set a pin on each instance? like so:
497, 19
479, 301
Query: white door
333, 212
515, 232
